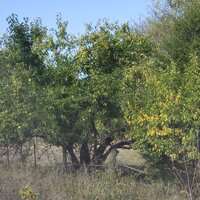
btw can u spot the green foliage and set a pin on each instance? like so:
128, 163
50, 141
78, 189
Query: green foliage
25, 110
161, 95
20, 40
185, 36
164, 111
105, 51
174, 28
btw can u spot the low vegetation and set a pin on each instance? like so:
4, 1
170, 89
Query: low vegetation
52, 184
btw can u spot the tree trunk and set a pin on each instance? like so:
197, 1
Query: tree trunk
64, 152
21, 152
95, 134
35, 151
113, 157
84, 153
74, 159
98, 154
198, 147
85, 156
8, 155
103, 152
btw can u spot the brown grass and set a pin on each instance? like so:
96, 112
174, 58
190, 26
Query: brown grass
130, 157
52, 184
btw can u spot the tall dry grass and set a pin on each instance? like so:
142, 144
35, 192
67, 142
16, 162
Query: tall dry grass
53, 184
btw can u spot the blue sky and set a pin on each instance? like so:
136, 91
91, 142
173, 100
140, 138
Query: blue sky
76, 12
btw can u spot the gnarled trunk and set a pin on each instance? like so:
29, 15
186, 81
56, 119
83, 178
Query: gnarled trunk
104, 151
98, 154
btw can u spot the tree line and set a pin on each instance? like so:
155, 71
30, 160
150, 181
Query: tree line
115, 86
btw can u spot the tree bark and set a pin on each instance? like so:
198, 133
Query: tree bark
84, 153
95, 133
198, 146
64, 152
74, 159
103, 153
35, 151
98, 154
21, 152
113, 154
8, 155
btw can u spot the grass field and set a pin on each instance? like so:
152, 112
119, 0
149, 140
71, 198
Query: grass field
52, 184
48, 182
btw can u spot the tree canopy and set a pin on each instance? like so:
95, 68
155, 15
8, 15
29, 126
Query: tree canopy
112, 87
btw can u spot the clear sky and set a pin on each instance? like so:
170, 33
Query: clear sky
76, 12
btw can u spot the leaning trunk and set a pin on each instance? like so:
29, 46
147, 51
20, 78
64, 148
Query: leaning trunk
113, 157
103, 151
98, 156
